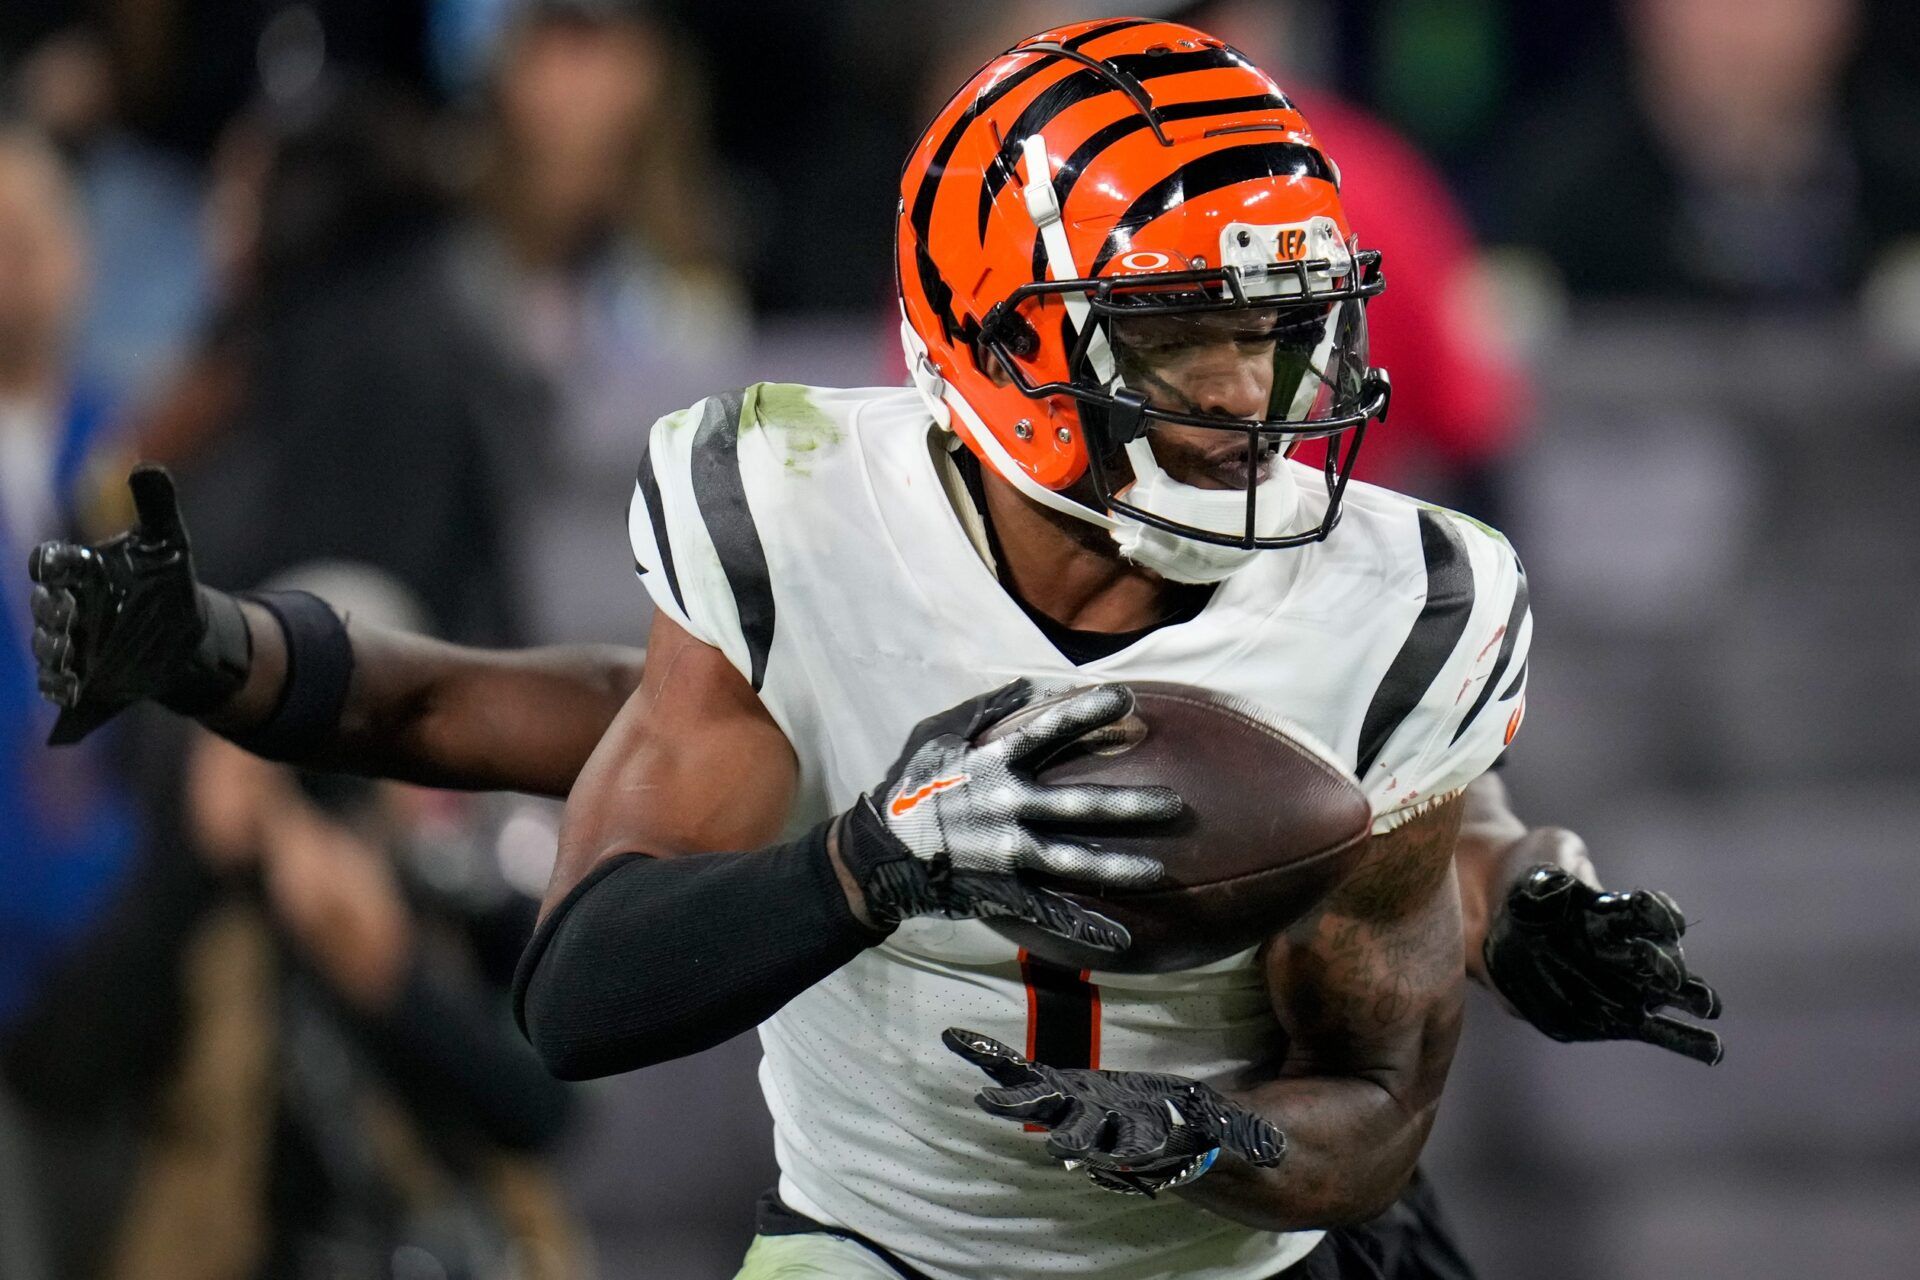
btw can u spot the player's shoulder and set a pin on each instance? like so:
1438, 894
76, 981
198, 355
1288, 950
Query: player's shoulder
1392, 541
786, 427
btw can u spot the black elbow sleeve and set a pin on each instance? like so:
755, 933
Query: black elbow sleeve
650, 959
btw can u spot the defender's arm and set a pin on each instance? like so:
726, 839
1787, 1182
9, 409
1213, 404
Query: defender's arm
1369, 989
127, 620
443, 715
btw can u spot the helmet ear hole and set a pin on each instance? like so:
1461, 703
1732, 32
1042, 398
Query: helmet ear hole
1011, 330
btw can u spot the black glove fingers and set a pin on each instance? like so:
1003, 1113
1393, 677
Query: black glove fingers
1662, 966
65, 564
156, 506
1006, 1066
1138, 1138
1667, 1032
1035, 1103
1545, 897
1066, 719
1086, 1133
1698, 999
1088, 863
1083, 802
52, 650
59, 687
53, 608
1067, 919
1642, 913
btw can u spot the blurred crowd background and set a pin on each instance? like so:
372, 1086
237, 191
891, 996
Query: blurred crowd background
394, 287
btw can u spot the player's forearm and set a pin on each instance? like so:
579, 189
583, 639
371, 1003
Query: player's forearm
1351, 1146
423, 711
649, 959
1494, 850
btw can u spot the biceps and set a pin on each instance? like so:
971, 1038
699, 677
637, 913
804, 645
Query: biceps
692, 764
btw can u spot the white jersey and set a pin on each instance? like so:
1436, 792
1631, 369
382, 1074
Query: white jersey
811, 536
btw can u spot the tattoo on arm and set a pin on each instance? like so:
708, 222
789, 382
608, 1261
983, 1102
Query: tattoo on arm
1368, 989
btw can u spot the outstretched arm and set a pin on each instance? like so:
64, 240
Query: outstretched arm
126, 620
1369, 989
424, 711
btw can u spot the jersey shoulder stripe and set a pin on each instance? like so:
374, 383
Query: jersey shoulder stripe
1442, 713
720, 491
1435, 632
648, 498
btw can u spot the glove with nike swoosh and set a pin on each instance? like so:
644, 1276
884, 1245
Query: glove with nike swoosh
955, 828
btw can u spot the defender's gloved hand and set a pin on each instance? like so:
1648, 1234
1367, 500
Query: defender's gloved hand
1135, 1132
1580, 964
125, 619
948, 832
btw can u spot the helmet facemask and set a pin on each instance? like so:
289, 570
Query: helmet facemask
1153, 358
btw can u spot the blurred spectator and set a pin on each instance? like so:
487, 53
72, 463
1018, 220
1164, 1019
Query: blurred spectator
350, 401
68, 829
1731, 157
598, 233
341, 1090
142, 207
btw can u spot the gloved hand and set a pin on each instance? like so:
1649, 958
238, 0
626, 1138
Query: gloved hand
1581, 964
1135, 1132
949, 831
125, 619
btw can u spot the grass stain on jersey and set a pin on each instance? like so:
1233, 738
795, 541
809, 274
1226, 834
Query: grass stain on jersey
788, 409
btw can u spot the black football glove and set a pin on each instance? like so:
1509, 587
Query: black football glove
125, 619
1580, 964
950, 831
1135, 1132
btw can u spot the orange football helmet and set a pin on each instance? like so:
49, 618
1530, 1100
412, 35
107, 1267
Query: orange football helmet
1102, 173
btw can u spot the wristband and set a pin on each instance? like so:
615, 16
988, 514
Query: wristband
319, 669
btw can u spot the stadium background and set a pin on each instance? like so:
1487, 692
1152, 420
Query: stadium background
400, 284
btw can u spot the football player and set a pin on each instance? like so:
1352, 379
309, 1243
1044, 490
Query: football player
1128, 287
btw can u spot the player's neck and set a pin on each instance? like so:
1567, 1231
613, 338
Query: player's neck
1070, 570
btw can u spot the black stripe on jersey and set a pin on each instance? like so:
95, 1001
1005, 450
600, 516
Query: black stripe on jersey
1210, 173
650, 494
1001, 172
1061, 1015
1518, 678
1507, 642
722, 496
1442, 621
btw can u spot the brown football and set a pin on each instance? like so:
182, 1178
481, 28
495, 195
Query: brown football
1271, 824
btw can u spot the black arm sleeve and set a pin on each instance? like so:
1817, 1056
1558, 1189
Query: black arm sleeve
650, 959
